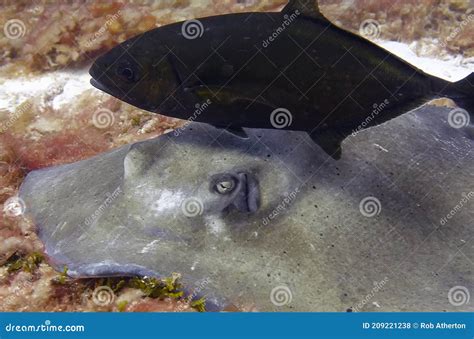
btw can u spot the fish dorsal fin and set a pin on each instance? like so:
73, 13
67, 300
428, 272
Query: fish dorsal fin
309, 8
330, 141
235, 130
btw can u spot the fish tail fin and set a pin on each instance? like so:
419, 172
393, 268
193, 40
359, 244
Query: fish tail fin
465, 89
466, 104
462, 92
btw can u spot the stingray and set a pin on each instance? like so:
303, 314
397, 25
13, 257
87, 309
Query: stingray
271, 221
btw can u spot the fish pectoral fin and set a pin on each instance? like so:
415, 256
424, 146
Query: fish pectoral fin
235, 130
179, 77
330, 141
309, 8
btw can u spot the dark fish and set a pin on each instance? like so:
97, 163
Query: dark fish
291, 70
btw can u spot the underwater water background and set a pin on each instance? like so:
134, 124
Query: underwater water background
50, 115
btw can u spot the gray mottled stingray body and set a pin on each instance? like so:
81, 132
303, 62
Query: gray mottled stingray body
270, 220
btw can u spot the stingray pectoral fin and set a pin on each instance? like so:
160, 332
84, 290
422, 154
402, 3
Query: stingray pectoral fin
330, 141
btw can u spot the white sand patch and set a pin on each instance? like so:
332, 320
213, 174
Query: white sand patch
452, 68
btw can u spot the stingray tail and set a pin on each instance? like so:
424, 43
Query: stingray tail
462, 92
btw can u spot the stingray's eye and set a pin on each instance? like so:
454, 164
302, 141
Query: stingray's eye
225, 187
127, 72
224, 184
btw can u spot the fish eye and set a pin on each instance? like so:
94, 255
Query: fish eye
224, 185
127, 72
